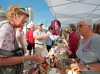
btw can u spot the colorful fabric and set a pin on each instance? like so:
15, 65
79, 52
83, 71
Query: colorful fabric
56, 28
7, 33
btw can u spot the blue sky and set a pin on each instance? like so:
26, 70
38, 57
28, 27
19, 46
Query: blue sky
40, 8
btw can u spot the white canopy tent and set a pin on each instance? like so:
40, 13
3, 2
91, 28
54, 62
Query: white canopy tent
70, 11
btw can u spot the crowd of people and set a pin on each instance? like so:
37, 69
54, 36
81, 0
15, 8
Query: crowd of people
82, 42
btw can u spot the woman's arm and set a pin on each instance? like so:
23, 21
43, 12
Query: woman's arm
20, 40
82, 67
94, 67
65, 42
73, 60
16, 60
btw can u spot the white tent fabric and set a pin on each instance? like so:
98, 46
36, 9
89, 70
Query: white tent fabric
70, 11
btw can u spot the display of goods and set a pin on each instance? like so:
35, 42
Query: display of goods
56, 58
62, 63
68, 70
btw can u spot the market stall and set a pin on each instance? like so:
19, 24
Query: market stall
54, 62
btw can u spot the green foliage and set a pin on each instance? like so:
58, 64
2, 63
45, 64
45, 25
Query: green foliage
63, 29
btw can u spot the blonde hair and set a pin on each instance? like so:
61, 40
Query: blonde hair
15, 9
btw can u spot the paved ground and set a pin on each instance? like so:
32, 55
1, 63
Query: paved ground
26, 64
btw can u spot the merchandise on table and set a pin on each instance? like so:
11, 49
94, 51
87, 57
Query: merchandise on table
56, 58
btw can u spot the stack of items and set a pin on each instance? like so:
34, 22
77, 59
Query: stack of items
51, 60
56, 58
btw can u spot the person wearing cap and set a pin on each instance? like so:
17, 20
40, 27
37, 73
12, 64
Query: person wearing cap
30, 40
16, 18
2, 16
73, 41
88, 53
40, 38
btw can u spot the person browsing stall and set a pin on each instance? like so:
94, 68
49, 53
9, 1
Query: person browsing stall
51, 39
72, 43
40, 38
88, 53
30, 39
16, 18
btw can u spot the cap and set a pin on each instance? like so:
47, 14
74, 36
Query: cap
28, 26
39, 23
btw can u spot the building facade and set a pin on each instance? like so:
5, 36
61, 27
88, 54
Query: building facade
1, 8
30, 11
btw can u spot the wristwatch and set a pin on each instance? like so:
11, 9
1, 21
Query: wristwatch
88, 68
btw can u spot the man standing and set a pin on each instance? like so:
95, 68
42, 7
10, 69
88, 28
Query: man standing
30, 40
40, 38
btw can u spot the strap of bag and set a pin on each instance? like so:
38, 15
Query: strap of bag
8, 53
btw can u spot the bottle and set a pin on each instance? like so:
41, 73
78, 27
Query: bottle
45, 64
53, 62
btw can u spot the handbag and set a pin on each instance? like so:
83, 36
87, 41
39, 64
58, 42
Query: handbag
16, 68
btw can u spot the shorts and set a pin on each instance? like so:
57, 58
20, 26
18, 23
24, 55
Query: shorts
30, 47
49, 47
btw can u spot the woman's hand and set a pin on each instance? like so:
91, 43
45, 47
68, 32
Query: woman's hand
73, 60
38, 58
78, 67
64, 41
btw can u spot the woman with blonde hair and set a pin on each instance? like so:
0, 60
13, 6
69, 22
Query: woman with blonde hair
16, 18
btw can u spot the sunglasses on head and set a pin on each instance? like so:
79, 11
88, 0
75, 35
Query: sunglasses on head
21, 8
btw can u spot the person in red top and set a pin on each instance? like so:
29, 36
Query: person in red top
30, 39
73, 43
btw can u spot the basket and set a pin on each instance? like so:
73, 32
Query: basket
67, 70
44, 70
62, 63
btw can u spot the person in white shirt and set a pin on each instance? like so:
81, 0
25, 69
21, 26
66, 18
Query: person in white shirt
20, 38
16, 18
40, 38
